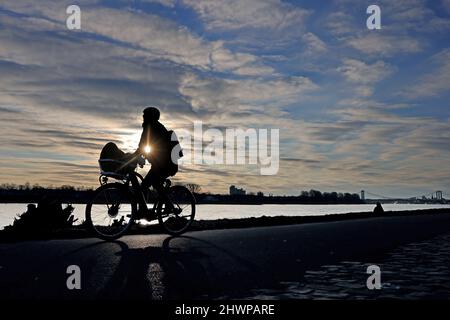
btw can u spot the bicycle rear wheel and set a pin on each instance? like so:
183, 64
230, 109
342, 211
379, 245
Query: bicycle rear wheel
177, 220
111, 210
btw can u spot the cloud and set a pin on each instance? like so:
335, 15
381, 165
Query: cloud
340, 23
150, 35
314, 45
368, 146
446, 4
167, 3
249, 95
360, 72
254, 26
434, 82
364, 75
406, 27
252, 14
413, 16
384, 45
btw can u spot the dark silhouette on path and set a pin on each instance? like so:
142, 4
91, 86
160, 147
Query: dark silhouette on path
378, 209
41, 220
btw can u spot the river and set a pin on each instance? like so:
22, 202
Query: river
8, 211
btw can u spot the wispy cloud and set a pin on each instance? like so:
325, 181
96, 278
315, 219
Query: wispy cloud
374, 44
434, 82
251, 14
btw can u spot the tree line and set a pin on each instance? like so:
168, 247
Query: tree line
70, 194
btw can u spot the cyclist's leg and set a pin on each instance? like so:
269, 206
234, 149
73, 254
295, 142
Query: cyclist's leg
139, 196
149, 180
155, 178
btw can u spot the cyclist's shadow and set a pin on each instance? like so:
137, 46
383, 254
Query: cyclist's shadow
155, 273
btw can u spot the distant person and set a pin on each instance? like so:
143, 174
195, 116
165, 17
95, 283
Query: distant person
378, 209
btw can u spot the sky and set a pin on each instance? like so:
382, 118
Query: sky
356, 108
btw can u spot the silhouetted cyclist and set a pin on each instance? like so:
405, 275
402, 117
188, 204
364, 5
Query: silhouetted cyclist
156, 146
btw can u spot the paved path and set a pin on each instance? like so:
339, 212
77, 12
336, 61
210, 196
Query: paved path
317, 260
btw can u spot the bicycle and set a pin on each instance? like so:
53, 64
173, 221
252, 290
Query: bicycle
113, 207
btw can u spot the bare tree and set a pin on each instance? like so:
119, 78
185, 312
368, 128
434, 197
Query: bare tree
193, 187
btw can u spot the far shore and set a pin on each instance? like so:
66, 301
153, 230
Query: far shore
80, 232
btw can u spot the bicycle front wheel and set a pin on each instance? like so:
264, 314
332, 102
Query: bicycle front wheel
177, 219
111, 210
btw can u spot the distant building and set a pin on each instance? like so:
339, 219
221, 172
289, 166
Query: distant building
438, 195
236, 191
363, 195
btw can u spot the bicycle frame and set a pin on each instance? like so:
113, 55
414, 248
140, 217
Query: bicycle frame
133, 179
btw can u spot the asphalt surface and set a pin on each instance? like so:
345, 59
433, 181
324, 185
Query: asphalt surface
215, 264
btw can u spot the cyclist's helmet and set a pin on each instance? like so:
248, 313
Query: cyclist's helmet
151, 114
